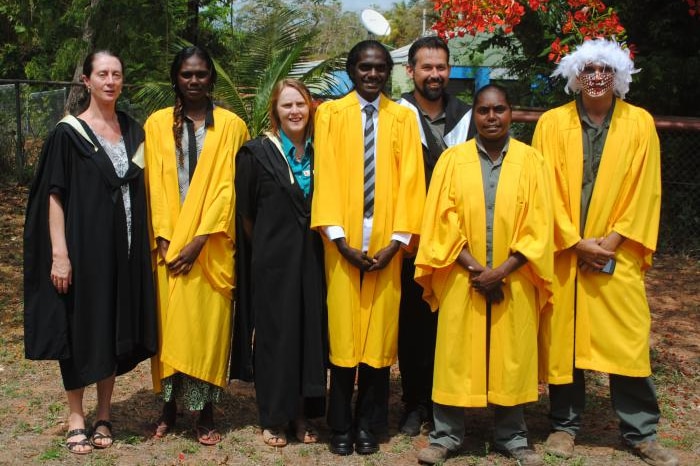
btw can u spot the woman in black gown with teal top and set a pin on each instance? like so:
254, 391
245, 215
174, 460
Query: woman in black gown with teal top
281, 313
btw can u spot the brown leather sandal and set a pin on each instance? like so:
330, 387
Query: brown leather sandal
97, 437
73, 446
207, 436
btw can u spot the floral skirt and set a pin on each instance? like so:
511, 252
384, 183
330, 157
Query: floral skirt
194, 393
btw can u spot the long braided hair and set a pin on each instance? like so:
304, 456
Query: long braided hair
179, 108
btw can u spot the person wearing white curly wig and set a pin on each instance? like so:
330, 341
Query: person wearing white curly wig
604, 156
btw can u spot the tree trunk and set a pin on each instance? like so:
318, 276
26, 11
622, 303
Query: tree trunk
77, 97
192, 28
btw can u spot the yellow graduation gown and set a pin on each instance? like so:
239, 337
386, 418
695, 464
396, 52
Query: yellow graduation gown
363, 320
194, 310
612, 320
454, 218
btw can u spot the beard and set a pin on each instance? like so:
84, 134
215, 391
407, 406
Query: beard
432, 94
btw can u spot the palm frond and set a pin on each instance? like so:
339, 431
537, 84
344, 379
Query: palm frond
153, 96
226, 93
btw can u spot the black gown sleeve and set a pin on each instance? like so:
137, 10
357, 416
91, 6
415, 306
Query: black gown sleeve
45, 310
243, 322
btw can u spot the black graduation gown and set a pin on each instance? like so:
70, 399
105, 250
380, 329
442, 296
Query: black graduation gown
280, 289
106, 323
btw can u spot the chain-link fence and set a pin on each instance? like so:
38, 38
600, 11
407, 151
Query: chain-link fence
8, 129
41, 107
680, 207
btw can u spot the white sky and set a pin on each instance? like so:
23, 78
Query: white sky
359, 5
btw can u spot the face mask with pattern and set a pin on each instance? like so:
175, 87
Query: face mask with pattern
596, 84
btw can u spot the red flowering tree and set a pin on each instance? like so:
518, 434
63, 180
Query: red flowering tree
531, 34
566, 22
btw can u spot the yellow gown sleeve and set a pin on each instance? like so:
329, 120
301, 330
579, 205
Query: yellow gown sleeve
442, 230
220, 197
326, 208
545, 140
155, 181
410, 198
638, 206
533, 231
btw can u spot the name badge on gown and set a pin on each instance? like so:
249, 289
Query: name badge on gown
306, 173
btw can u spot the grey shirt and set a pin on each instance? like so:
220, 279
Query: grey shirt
490, 172
593, 142
437, 127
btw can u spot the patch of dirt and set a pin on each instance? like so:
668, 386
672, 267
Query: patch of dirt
33, 408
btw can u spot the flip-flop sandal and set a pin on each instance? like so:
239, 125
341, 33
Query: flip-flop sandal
73, 446
163, 428
207, 436
100, 436
274, 437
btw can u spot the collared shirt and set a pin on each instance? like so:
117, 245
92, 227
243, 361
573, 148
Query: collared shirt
490, 172
437, 127
594, 137
301, 169
334, 232
190, 148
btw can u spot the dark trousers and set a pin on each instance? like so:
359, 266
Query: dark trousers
372, 405
633, 399
417, 333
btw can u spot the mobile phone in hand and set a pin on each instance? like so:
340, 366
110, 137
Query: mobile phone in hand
609, 267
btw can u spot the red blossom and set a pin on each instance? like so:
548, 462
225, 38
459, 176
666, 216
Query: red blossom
536, 5
557, 50
581, 15
582, 19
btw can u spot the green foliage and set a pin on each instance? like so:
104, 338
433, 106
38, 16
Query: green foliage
54, 452
51, 37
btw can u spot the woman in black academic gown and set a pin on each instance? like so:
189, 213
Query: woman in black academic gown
281, 291
88, 283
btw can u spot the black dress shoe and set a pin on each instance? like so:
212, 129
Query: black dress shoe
413, 419
341, 443
365, 443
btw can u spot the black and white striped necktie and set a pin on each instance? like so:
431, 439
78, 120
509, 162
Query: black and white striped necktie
369, 161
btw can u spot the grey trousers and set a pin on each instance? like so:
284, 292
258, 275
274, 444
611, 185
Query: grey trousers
633, 399
510, 430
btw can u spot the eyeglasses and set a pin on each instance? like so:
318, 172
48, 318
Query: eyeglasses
591, 70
